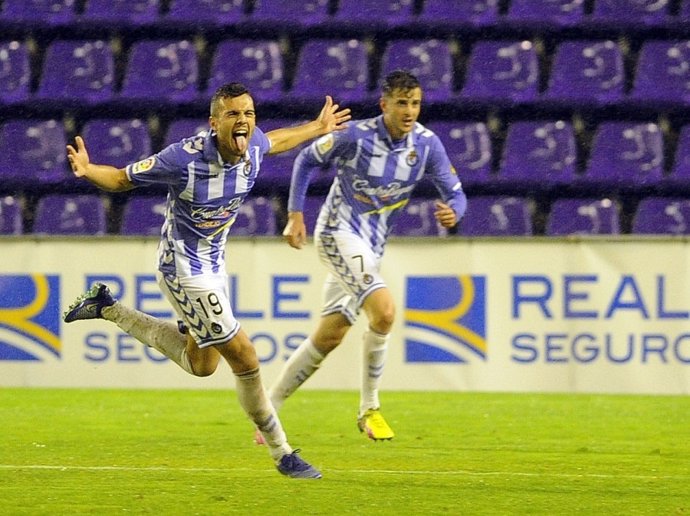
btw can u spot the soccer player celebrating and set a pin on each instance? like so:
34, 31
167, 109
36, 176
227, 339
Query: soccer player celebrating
379, 161
208, 176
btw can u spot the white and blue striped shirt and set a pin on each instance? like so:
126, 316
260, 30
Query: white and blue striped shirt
204, 196
375, 177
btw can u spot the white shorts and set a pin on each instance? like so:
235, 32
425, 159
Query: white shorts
203, 303
353, 272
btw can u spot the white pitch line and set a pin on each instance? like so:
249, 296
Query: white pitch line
462, 473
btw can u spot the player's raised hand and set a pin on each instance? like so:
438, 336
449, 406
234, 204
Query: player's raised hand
332, 118
295, 232
78, 158
445, 215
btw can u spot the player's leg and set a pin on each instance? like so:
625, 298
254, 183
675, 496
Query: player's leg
241, 356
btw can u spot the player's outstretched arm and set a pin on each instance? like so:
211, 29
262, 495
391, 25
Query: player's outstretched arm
105, 177
331, 118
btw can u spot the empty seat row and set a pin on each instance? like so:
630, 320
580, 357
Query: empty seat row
87, 214
583, 73
353, 14
536, 154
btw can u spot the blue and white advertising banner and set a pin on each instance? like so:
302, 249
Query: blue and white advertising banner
551, 315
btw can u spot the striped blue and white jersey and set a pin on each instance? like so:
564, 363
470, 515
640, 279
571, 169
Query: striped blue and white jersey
375, 177
204, 196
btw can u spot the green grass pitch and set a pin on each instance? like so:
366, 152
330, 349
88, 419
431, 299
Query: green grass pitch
70, 451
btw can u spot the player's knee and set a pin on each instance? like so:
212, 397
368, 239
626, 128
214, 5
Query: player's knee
203, 368
381, 321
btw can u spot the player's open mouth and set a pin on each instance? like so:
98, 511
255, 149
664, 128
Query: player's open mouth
240, 138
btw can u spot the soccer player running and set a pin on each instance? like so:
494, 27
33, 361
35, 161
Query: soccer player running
208, 176
379, 161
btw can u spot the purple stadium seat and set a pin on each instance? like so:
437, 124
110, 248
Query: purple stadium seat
662, 73
373, 14
497, 216
62, 214
331, 67
680, 171
117, 142
586, 73
258, 64
78, 71
453, 14
545, 13
662, 216
11, 222
626, 154
583, 217
430, 60
503, 72
121, 13
32, 153
469, 148
256, 217
630, 13
281, 14
204, 13
276, 169
36, 13
184, 128
15, 72
417, 219
538, 154
143, 216
161, 71
312, 206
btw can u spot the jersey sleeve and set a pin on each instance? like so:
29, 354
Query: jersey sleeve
445, 178
166, 166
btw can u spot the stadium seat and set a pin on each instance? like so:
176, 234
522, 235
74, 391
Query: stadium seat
497, 216
204, 13
457, 14
258, 64
545, 13
626, 155
11, 221
63, 214
662, 216
32, 153
468, 145
417, 219
184, 128
662, 73
38, 13
312, 206
161, 71
256, 217
539, 154
117, 142
77, 72
502, 72
368, 15
613, 14
430, 60
15, 72
583, 217
143, 216
679, 174
338, 67
116, 14
292, 14
586, 74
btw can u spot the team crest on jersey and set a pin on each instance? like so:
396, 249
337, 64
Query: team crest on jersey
412, 158
325, 143
247, 170
144, 165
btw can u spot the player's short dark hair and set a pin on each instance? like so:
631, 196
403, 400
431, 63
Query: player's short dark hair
228, 91
399, 80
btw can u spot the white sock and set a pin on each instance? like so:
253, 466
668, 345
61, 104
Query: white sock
253, 399
303, 362
373, 360
161, 335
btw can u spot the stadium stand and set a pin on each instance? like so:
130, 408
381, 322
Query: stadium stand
256, 217
497, 216
417, 219
143, 216
65, 214
535, 100
583, 217
662, 216
11, 220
